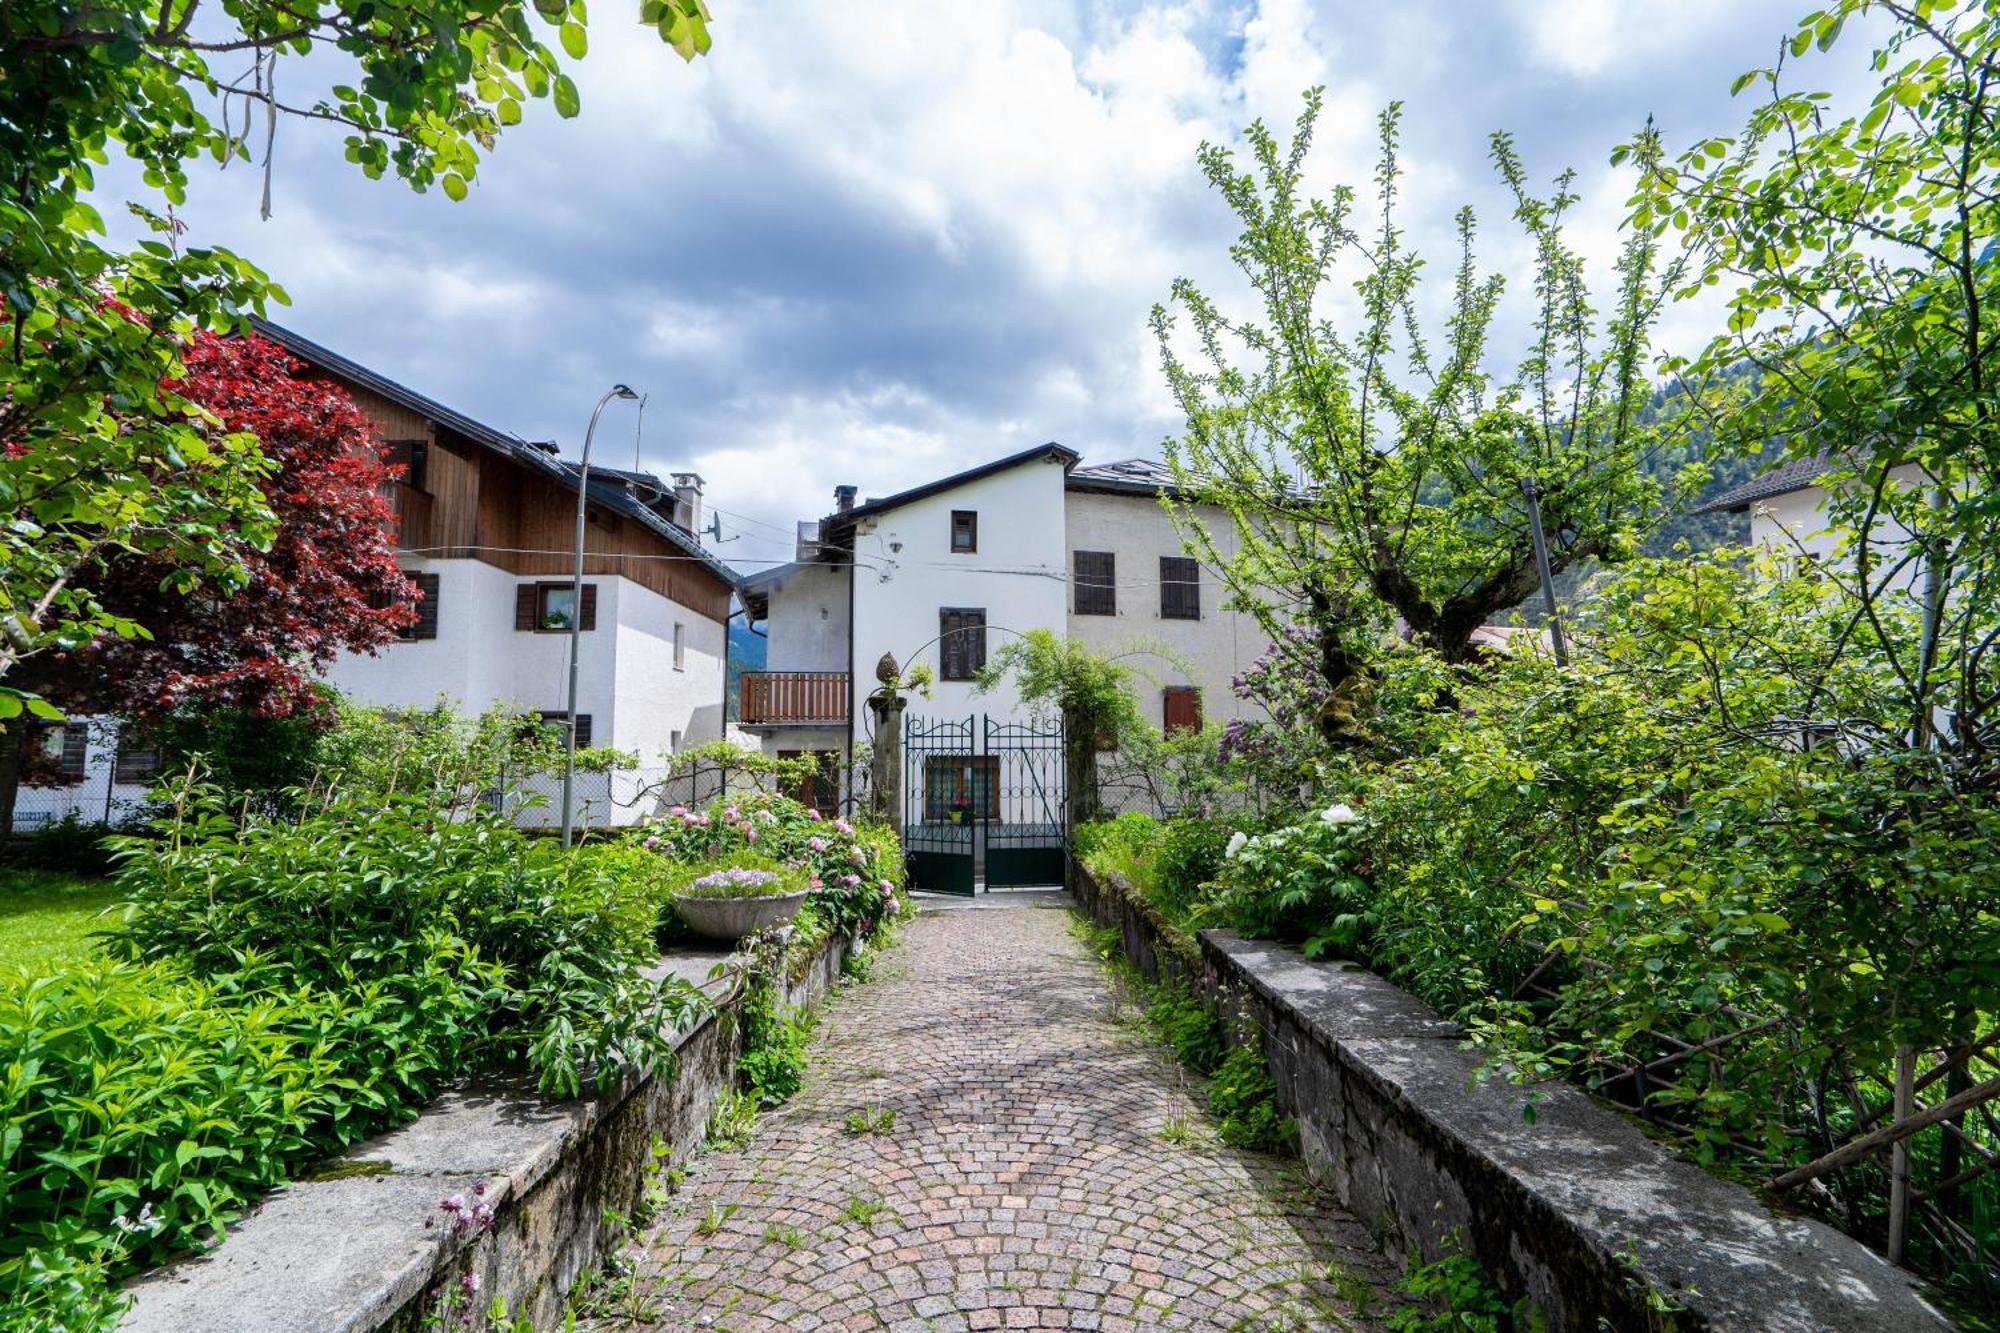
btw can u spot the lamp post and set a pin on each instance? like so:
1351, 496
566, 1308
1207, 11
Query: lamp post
576, 612
1534, 494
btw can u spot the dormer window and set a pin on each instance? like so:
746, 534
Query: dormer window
964, 531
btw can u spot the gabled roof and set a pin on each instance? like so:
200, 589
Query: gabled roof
1052, 451
1781, 480
610, 488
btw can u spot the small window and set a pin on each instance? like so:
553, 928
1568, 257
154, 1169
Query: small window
413, 457
1181, 709
964, 531
1096, 580
961, 642
680, 646
673, 742
558, 722
551, 608
425, 602
1180, 588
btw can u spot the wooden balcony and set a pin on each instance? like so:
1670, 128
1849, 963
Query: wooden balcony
793, 698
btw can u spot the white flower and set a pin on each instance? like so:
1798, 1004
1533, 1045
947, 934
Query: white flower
1342, 813
1237, 841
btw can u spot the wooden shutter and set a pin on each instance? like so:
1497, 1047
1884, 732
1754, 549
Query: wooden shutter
427, 607
1180, 588
75, 748
527, 605
1181, 708
583, 731
961, 643
1096, 582
587, 612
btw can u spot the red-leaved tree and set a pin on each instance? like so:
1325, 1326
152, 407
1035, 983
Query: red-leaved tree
329, 582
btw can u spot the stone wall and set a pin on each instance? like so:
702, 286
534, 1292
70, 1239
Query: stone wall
1578, 1211
348, 1250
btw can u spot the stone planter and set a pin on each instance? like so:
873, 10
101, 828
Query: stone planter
732, 918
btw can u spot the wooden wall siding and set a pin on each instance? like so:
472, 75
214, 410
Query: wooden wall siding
485, 506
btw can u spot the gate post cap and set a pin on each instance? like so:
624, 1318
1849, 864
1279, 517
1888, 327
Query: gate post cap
887, 670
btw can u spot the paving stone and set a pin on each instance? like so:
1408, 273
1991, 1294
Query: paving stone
1025, 1179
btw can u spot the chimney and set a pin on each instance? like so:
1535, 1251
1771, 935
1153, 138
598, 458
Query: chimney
843, 498
687, 500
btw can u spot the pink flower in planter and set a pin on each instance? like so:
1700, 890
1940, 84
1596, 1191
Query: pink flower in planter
850, 880
815, 882
856, 855
749, 834
818, 844
843, 828
733, 812
651, 844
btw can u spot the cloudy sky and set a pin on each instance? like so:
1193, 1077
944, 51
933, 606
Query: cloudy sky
876, 243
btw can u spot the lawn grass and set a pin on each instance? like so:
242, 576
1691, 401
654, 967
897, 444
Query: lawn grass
50, 917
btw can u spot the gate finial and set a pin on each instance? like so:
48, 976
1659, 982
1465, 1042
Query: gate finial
887, 671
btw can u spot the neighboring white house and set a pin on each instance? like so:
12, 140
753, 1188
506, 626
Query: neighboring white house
943, 574
1787, 509
486, 528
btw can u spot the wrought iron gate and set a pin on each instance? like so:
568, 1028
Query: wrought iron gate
982, 803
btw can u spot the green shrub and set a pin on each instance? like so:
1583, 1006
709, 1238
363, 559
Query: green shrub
1190, 1027
1188, 856
771, 1065
356, 892
854, 873
1243, 1098
1300, 882
71, 845
143, 1106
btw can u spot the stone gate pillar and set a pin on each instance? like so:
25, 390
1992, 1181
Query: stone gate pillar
885, 761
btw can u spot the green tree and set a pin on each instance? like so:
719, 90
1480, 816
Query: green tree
100, 456
1092, 695
1864, 256
1379, 469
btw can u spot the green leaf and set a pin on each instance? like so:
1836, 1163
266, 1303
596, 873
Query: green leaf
454, 186
567, 103
574, 41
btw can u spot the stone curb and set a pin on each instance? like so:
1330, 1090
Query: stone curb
349, 1252
1579, 1211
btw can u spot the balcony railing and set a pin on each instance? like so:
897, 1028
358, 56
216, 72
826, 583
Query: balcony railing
793, 697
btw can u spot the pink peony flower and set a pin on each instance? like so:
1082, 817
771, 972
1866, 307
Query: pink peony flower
843, 828
749, 834
856, 855
815, 882
885, 886
812, 814
816, 843
850, 880
678, 811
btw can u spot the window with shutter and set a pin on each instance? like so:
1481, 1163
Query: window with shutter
1096, 580
550, 607
137, 761
1181, 708
427, 608
961, 642
1180, 588
964, 531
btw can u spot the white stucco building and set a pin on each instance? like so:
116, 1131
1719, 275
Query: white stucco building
944, 573
486, 530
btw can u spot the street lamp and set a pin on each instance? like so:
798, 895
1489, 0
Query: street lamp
576, 610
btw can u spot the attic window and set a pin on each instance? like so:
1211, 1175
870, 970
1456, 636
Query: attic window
964, 531
603, 519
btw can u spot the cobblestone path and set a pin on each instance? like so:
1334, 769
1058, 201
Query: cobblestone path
1048, 1167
